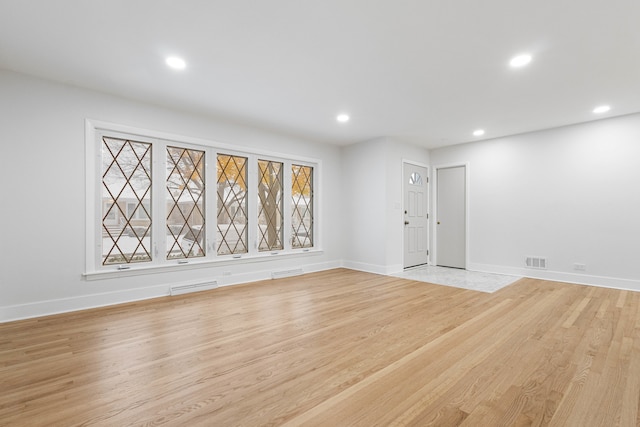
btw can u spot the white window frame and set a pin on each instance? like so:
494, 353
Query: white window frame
95, 130
289, 200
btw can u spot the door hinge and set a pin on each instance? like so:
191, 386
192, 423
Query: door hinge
427, 252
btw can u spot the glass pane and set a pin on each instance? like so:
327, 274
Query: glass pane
270, 216
415, 179
232, 204
302, 206
126, 201
185, 203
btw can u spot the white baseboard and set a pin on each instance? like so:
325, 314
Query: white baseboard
394, 269
255, 276
558, 276
84, 302
372, 268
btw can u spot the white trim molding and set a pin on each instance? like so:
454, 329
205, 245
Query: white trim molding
95, 300
559, 276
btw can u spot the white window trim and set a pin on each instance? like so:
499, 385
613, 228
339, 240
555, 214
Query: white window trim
94, 269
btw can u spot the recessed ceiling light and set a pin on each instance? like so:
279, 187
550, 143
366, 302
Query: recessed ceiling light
601, 109
520, 60
343, 118
176, 63
478, 132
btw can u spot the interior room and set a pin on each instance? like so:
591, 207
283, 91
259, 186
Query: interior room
274, 213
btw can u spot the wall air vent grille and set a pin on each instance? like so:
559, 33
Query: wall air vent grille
192, 287
536, 262
286, 273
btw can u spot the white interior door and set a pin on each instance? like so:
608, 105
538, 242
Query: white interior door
451, 217
415, 214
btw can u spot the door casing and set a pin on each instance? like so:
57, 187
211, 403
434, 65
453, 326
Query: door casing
415, 234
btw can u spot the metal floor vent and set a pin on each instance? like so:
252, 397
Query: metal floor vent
286, 273
537, 262
193, 287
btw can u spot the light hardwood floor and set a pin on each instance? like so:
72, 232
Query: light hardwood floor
335, 348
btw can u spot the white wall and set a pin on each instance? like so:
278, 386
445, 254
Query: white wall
372, 171
42, 242
364, 205
570, 194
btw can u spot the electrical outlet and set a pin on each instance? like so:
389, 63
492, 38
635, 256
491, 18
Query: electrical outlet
579, 266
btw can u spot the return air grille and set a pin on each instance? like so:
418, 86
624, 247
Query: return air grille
286, 273
193, 287
536, 262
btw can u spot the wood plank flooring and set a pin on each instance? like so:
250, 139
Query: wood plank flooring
335, 348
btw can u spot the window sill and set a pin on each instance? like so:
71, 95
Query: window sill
170, 266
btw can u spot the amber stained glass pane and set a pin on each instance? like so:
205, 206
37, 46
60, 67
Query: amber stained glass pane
232, 205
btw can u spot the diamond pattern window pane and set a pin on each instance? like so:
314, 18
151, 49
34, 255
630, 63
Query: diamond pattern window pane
270, 213
232, 204
126, 201
185, 203
302, 206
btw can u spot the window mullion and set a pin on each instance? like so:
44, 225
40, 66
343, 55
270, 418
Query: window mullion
287, 208
252, 208
159, 206
211, 201
315, 207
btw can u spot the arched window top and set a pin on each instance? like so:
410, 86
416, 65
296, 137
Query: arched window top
415, 179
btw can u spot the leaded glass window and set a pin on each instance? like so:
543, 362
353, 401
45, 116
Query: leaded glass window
302, 206
126, 201
270, 212
232, 205
185, 203
150, 207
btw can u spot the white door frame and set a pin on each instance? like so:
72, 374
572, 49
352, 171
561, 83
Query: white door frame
427, 201
434, 228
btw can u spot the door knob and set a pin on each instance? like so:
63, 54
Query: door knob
438, 222
406, 223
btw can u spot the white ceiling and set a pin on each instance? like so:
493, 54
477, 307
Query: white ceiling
424, 71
